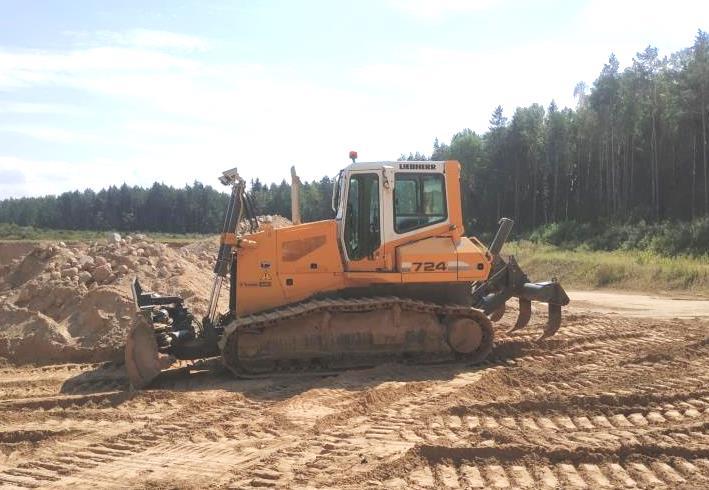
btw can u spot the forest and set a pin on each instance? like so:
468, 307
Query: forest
633, 150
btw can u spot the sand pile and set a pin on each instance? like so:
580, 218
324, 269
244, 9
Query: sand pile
72, 302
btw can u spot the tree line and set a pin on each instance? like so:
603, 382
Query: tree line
635, 148
195, 208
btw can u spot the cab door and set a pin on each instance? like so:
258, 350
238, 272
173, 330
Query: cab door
362, 236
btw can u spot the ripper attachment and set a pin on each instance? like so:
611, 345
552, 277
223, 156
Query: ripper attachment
507, 280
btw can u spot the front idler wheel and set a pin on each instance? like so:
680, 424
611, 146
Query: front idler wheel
470, 338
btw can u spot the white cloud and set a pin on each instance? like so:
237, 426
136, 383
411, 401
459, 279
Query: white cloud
194, 119
179, 118
11, 107
140, 38
627, 27
41, 177
145, 38
459, 89
48, 133
30, 67
436, 9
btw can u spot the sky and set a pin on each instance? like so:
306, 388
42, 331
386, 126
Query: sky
97, 93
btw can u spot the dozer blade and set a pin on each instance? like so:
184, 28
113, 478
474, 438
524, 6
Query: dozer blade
496, 315
525, 314
554, 321
143, 361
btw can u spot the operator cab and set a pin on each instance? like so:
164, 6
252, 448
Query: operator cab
380, 204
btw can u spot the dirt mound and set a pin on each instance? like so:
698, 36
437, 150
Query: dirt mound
14, 251
72, 302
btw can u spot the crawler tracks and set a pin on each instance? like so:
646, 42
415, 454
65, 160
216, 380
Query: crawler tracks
610, 402
340, 333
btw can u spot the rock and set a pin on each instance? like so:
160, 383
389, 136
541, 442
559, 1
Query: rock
25, 295
69, 272
61, 245
55, 275
111, 277
99, 261
151, 251
102, 272
113, 238
84, 277
139, 236
140, 252
86, 262
123, 269
163, 272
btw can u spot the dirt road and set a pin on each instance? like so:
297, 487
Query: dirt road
640, 305
613, 400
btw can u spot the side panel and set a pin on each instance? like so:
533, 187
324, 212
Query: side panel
440, 259
308, 248
474, 261
309, 260
428, 260
288, 265
257, 287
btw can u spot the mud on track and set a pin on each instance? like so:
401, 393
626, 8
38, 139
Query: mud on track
611, 401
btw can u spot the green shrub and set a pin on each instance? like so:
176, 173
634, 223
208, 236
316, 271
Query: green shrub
664, 238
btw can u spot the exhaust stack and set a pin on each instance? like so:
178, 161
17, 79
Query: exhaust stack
295, 197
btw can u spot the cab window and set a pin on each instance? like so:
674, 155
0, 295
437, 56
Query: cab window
362, 216
419, 200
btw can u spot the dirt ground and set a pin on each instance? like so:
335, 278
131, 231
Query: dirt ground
617, 398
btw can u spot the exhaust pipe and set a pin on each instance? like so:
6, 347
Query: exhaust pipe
295, 197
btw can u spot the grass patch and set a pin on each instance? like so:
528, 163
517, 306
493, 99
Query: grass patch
621, 269
12, 232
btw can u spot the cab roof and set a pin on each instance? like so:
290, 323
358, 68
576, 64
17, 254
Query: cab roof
382, 164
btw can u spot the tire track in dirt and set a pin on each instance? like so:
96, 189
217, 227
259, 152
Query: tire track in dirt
607, 402
442, 467
133, 447
399, 429
238, 432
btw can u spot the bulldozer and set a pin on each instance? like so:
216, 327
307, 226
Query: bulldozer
391, 277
